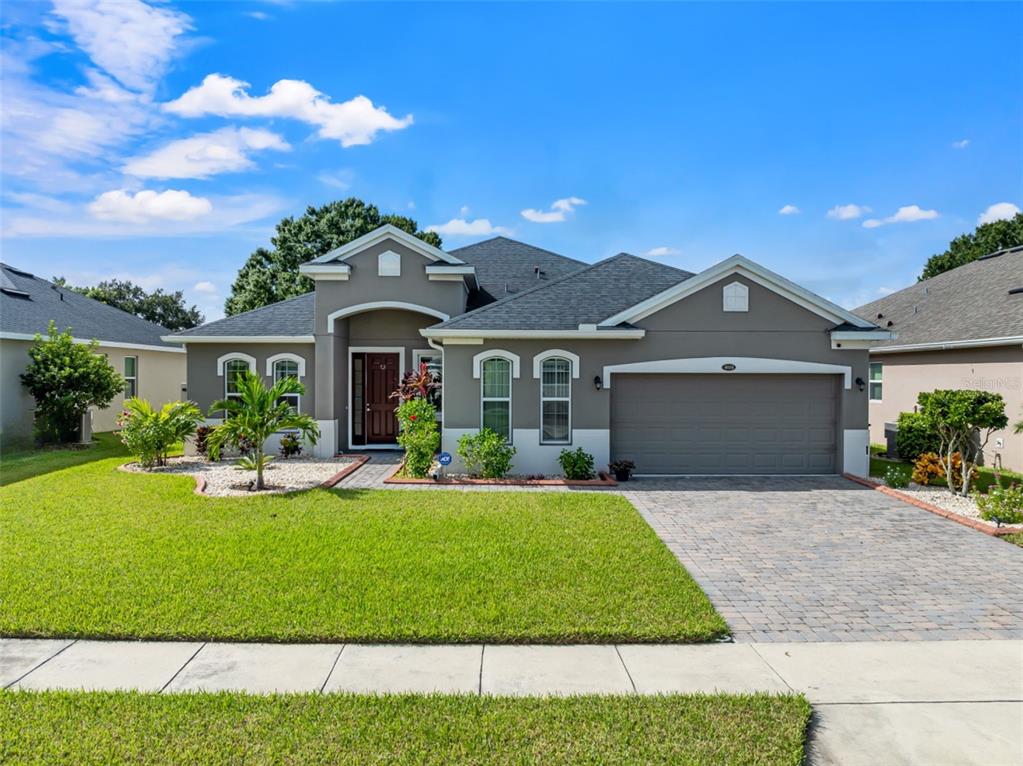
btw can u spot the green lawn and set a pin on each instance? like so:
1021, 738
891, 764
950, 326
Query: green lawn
1015, 539
985, 478
133, 728
94, 552
21, 464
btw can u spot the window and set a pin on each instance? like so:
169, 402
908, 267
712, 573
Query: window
736, 297
287, 368
389, 264
232, 369
555, 401
876, 375
496, 396
435, 364
131, 376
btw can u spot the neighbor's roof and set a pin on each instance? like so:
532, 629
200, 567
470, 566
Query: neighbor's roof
28, 303
505, 267
584, 296
978, 301
288, 318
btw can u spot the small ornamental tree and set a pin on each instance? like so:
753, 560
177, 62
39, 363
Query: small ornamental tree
963, 421
255, 414
66, 378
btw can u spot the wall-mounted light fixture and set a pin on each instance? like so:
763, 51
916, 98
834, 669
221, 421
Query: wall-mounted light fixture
860, 383
597, 382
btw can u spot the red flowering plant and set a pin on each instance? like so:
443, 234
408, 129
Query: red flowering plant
417, 421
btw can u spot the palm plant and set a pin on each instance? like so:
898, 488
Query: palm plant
149, 433
256, 413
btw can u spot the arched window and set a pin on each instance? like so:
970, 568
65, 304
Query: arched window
495, 399
233, 368
287, 368
556, 401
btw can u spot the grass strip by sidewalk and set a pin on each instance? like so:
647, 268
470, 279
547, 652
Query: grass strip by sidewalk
132, 728
93, 552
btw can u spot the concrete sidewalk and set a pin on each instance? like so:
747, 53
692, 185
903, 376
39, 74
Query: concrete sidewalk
942, 702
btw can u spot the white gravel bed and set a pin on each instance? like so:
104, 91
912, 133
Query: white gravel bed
962, 506
224, 479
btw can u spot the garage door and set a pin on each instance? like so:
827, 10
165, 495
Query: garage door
720, 424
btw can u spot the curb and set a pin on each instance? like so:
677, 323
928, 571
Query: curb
945, 514
604, 481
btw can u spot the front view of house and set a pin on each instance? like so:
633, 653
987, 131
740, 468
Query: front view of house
734, 370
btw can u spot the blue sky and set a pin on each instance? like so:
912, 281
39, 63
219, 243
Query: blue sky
839, 145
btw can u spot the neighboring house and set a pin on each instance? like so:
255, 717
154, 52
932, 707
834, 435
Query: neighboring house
152, 368
734, 370
962, 329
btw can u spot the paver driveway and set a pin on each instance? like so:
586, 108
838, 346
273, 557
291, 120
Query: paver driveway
823, 559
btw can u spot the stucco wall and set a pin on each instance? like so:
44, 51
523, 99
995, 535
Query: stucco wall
996, 369
160, 377
205, 385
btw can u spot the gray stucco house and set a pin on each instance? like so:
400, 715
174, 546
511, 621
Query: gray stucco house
734, 370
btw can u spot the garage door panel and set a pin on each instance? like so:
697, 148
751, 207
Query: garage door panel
696, 424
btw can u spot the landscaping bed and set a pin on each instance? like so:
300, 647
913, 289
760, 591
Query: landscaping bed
225, 479
128, 727
93, 552
604, 480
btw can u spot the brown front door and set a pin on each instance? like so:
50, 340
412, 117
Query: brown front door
381, 381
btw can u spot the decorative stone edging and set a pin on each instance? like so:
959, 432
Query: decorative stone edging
358, 461
959, 519
603, 481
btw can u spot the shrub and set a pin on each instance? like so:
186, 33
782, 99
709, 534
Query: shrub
202, 449
291, 446
65, 379
1002, 505
622, 469
897, 476
486, 454
914, 437
149, 434
418, 434
576, 464
930, 467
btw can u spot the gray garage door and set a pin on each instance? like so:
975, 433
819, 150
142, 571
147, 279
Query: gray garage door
710, 424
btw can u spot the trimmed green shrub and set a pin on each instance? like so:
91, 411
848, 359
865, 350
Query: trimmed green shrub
486, 454
1002, 505
576, 464
915, 437
418, 434
149, 434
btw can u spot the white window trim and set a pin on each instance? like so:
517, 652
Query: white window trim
352, 350
735, 297
741, 365
543, 356
511, 384
417, 355
375, 305
285, 357
134, 377
573, 367
482, 356
388, 266
880, 382
222, 360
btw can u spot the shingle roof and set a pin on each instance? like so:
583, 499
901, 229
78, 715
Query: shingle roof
28, 303
505, 267
291, 317
585, 296
971, 302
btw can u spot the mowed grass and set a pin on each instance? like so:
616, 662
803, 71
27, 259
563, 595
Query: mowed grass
91, 551
133, 728
24, 463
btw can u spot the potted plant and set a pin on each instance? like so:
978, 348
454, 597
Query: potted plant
622, 469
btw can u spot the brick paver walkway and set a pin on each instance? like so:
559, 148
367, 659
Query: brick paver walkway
822, 559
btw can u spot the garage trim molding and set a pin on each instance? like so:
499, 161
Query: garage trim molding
748, 365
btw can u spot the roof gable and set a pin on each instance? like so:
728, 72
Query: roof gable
387, 231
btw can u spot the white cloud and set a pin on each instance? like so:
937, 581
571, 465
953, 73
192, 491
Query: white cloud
338, 179
353, 122
464, 211
205, 287
146, 206
459, 227
557, 213
905, 214
961, 144
259, 15
1000, 211
222, 151
660, 252
131, 40
789, 210
847, 212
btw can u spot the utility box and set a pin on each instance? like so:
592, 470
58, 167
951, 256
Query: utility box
890, 432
